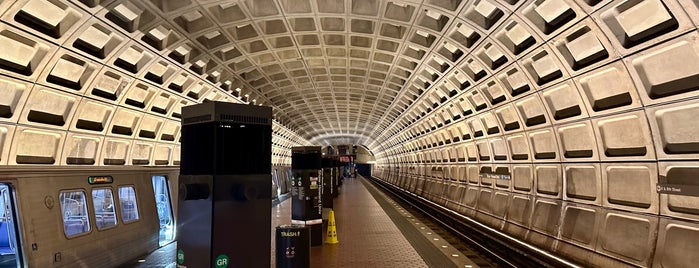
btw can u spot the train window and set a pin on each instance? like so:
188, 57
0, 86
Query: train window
74, 210
129, 205
162, 203
10, 250
105, 213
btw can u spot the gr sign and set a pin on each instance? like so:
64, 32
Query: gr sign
221, 261
180, 256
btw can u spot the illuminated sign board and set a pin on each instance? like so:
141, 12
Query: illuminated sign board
345, 159
100, 179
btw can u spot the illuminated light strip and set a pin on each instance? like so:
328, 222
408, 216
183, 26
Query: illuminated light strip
318, 221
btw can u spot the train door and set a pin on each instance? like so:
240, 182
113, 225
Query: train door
163, 204
277, 183
9, 248
282, 181
287, 180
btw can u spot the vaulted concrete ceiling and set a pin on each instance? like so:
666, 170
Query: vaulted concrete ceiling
372, 72
336, 69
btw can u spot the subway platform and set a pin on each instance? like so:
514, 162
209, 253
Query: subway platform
373, 231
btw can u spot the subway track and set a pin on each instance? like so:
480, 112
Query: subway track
485, 247
482, 260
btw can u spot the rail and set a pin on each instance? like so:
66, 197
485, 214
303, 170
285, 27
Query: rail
508, 251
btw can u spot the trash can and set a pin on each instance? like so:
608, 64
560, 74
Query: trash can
293, 244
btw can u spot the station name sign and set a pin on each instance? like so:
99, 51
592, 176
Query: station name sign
677, 189
495, 176
100, 179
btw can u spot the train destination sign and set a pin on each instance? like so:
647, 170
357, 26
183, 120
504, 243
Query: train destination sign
100, 179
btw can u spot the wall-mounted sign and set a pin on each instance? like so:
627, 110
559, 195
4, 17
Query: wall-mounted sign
495, 176
100, 179
677, 189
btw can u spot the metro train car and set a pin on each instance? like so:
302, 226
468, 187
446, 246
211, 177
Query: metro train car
281, 181
89, 217
84, 217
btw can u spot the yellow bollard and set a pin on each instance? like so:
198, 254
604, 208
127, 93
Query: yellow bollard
331, 237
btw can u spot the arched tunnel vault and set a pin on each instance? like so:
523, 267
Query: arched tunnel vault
586, 104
